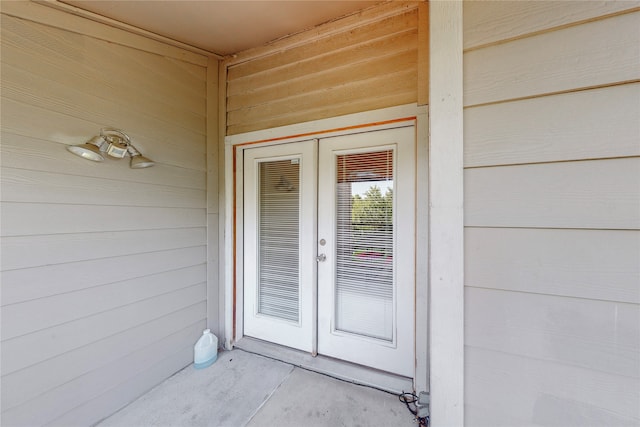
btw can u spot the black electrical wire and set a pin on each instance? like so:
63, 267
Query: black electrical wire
410, 399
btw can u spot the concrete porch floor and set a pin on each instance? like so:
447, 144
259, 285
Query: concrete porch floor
245, 389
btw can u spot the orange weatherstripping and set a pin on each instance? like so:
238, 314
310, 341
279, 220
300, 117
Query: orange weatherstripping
282, 138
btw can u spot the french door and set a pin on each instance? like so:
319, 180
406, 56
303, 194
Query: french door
329, 244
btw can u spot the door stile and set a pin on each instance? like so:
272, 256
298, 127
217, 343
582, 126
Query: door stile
314, 307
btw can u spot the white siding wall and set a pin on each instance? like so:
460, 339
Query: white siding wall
103, 267
552, 213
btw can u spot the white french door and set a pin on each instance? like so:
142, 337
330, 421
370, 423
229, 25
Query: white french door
366, 222
329, 244
279, 244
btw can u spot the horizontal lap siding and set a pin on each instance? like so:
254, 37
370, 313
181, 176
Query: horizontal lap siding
103, 267
552, 213
493, 22
600, 194
604, 268
598, 53
570, 126
354, 70
518, 390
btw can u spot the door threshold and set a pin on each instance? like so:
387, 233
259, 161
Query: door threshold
340, 369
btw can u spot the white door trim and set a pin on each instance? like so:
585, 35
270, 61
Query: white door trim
386, 118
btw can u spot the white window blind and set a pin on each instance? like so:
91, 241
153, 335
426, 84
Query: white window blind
278, 239
364, 243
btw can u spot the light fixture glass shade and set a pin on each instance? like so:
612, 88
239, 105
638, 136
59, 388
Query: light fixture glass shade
89, 150
139, 161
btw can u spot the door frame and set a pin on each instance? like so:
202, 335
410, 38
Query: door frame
386, 118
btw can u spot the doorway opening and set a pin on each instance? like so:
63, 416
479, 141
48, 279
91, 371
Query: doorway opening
412, 152
328, 241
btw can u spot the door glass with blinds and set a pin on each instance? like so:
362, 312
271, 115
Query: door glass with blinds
364, 244
278, 285
279, 229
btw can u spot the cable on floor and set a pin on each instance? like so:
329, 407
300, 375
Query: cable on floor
410, 399
407, 398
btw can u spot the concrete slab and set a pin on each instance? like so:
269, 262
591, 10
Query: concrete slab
244, 389
226, 394
309, 399
327, 365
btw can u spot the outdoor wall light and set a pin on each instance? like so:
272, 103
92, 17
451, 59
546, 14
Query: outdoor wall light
114, 143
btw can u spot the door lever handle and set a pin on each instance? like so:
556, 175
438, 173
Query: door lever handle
321, 258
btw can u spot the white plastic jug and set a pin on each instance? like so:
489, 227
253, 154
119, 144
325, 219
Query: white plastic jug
205, 352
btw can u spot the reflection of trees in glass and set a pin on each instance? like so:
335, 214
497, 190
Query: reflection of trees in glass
373, 210
372, 223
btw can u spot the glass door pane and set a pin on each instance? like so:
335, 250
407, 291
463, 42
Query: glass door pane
278, 239
364, 244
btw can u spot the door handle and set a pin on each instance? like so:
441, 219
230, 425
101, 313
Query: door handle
321, 258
